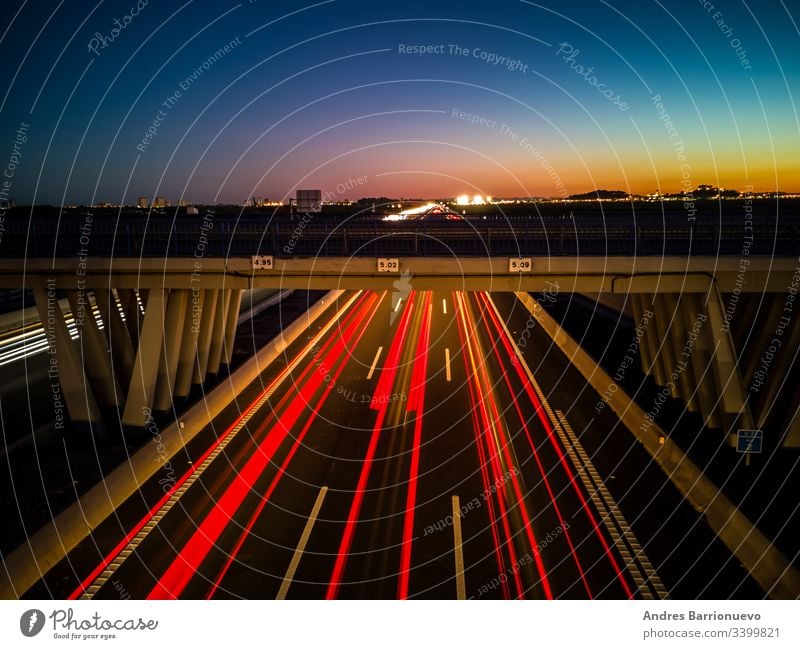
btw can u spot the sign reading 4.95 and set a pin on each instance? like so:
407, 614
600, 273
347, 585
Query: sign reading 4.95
262, 262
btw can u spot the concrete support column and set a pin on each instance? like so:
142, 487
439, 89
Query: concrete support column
230, 325
702, 359
173, 333
64, 364
761, 337
682, 351
120, 346
218, 335
619, 303
649, 344
745, 314
142, 302
644, 351
792, 439
94, 351
666, 355
145, 368
130, 307
776, 382
735, 411
204, 338
187, 358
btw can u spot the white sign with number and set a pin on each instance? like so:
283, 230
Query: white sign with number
262, 262
520, 265
388, 265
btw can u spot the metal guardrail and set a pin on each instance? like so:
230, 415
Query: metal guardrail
187, 236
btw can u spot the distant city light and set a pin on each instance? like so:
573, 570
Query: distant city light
464, 199
429, 211
402, 216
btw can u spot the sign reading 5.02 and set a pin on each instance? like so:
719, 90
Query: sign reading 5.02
520, 265
262, 262
388, 265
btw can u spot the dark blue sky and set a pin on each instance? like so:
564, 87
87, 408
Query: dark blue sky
323, 95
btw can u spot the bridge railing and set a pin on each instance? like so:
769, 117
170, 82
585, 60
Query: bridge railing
165, 236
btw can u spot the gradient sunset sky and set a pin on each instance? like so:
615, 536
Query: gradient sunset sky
311, 95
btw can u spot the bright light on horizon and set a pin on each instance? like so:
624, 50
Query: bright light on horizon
464, 199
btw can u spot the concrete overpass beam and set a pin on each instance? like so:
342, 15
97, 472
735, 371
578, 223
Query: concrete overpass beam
65, 364
204, 337
95, 358
145, 369
187, 357
218, 335
173, 334
230, 325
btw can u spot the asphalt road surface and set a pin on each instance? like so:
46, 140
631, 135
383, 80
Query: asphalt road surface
403, 448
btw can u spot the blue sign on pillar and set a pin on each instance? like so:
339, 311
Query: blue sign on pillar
749, 441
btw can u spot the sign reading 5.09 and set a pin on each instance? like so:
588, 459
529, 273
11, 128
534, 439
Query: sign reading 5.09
388, 265
520, 265
262, 262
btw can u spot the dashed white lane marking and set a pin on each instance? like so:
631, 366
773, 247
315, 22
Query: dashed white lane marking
301, 546
374, 362
461, 588
447, 363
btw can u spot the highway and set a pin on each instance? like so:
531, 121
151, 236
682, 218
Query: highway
403, 450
